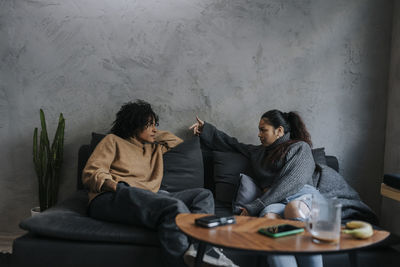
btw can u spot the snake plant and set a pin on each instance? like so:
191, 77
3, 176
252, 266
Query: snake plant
48, 160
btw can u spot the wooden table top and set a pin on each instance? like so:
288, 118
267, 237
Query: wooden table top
244, 236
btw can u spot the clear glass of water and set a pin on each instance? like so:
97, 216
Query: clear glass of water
324, 220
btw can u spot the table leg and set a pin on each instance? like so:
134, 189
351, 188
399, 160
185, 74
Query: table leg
353, 258
200, 253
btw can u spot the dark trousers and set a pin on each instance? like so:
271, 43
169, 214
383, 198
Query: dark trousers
140, 207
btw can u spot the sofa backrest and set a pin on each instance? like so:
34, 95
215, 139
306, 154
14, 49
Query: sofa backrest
83, 155
220, 168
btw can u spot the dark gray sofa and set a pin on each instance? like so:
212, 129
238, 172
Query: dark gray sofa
65, 236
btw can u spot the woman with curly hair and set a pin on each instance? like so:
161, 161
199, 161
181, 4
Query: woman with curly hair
124, 174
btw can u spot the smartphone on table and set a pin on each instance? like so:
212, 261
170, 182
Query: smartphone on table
214, 220
280, 230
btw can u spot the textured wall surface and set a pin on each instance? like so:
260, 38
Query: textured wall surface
226, 60
390, 212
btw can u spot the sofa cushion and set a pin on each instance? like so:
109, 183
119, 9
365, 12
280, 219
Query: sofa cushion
96, 138
332, 162
247, 191
183, 167
69, 220
319, 155
227, 167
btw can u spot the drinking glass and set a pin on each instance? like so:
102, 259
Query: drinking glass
324, 220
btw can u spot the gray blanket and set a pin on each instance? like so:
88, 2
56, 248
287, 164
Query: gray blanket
331, 184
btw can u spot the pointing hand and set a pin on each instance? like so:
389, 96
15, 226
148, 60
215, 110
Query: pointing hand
197, 127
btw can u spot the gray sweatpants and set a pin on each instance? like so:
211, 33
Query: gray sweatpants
140, 207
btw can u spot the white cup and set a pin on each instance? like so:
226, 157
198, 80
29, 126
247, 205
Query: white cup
324, 220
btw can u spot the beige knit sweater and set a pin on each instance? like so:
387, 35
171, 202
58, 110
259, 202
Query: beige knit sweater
128, 160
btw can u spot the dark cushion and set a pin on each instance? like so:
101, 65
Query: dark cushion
69, 220
227, 167
332, 162
183, 167
208, 165
319, 155
247, 191
96, 138
83, 156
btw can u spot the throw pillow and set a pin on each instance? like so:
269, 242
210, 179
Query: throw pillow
227, 167
96, 138
247, 191
332, 162
183, 167
319, 155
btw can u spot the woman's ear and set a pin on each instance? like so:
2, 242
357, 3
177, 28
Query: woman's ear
280, 131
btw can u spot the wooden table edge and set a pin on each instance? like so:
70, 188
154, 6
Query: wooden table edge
180, 219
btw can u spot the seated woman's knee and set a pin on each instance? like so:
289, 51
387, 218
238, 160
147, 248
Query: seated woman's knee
296, 209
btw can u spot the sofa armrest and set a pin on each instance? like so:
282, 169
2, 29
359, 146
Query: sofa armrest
69, 220
332, 162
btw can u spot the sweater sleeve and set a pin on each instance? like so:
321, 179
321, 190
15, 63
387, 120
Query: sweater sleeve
97, 168
167, 140
296, 172
220, 141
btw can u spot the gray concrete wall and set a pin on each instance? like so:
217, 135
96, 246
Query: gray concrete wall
390, 212
226, 60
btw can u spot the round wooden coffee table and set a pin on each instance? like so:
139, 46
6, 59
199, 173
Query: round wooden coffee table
244, 236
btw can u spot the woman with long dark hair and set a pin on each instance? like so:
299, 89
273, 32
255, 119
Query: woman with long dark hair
283, 168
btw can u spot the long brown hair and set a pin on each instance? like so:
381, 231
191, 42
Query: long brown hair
291, 122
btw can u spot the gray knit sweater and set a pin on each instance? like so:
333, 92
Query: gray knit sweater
290, 175
285, 179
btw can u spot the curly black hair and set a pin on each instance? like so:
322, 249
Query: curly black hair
132, 118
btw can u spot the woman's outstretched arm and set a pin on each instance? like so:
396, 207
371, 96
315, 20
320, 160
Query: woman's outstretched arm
218, 140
